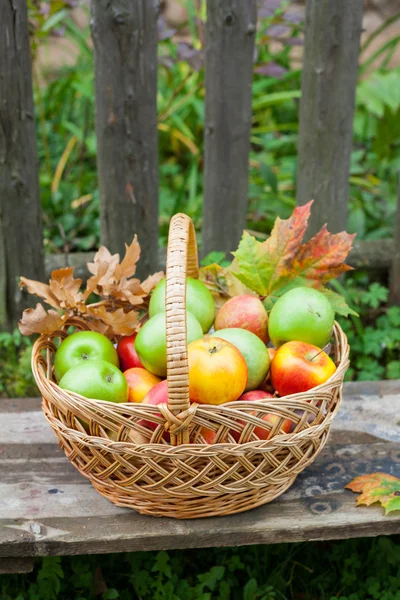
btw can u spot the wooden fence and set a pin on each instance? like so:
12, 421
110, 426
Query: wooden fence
125, 50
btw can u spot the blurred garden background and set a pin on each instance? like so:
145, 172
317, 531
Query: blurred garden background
64, 99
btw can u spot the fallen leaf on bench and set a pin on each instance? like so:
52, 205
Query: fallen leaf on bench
377, 487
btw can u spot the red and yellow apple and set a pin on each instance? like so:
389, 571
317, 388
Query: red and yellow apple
217, 371
128, 358
261, 432
298, 367
140, 382
245, 312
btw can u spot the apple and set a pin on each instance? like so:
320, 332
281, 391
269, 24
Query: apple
254, 352
157, 395
140, 383
128, 358
217, 371
151, 342
256, 395
80, 347
302, 314
260, 432
96, 379
199, 301
245, 312
209, 436
298, 367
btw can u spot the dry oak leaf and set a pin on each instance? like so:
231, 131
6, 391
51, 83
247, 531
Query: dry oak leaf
281, 263
61, 292
377, 487
111, 278
119, 322
38, 320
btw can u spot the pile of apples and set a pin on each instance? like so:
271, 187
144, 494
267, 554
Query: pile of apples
240, 353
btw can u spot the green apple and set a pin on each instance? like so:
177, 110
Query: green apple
96, 379
81, 346
254, 352
151, 342
303, 314
199, 301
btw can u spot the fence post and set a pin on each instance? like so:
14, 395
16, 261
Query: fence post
230, 37
332, 41
21, 239
394, 297
125, 47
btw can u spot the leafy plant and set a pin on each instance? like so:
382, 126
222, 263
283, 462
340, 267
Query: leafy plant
363, 569
374, 338
16, 379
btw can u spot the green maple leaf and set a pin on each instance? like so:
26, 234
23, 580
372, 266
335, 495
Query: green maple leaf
283, 262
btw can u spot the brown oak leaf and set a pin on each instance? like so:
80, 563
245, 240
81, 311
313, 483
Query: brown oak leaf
105, 262
65, 288
148, 284
127, 267
118, 321
42, 290
37, 320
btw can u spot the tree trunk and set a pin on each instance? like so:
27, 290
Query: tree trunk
125, 43
230, 36
332, 40
21, 238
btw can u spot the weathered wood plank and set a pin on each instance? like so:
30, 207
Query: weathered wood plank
230, 35
125, 44
21, 243
16, 565
394, 297
332, 40
47, 507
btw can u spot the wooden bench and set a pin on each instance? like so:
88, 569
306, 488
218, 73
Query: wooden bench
48, 508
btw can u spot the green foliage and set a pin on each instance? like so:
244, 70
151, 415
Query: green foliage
16, 379
374, 338
364, 569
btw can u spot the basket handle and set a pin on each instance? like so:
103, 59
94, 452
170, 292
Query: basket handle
182, 262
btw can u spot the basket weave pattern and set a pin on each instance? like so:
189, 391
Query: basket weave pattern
176, 473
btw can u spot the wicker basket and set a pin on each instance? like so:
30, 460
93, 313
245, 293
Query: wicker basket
176, 473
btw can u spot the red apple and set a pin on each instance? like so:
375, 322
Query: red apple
157, 395
245, 312
209, 435
256, 395
128, 358
260, 432
298, 367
